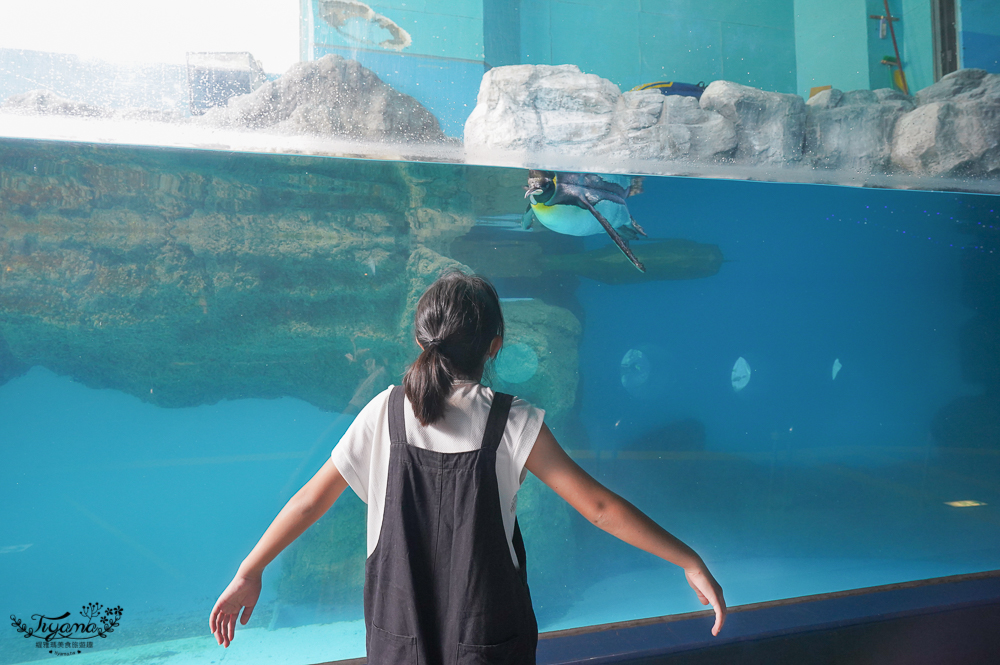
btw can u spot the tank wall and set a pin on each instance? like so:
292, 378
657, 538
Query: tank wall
639, 43
803, 382
185, 335
980, 35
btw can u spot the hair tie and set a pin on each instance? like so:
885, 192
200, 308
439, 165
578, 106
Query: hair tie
434, 342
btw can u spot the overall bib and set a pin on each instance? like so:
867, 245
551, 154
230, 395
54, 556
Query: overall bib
440, 587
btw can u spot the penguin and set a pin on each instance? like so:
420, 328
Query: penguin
583, 204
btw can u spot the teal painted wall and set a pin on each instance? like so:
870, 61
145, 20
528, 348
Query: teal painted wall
838, 44
631, 42
915, 39
979, 39
831, 44
777, 45
918, 42
439, 28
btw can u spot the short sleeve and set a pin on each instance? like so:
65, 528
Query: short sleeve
527, 421
353, 454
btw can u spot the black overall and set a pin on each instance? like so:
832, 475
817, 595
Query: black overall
440, 587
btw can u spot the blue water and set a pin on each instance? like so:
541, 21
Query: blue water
149, 507
797, 484
816, 274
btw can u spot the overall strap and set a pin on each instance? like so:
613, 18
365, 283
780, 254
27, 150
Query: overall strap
397, 418
497, 421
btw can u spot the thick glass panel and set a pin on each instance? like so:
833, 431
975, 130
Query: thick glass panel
215, 219
847, 93
801, 384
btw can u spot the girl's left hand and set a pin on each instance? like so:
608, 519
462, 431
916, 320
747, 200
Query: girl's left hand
709, 592
242, 593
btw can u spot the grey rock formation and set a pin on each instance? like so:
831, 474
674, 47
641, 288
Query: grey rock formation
853, 130
769, 125
961, 85
654, 126
531, 108
955, 130
188, 278
895, 97
951, 128
43, 102
536, 107
332, 97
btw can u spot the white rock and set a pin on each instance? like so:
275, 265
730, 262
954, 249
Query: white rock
960, 85
43, 102
769, 125
955, 130
711, 135
537, 107
949, 138
559, 108
852, 130
895, 97
332, 96
951, 128
655, 126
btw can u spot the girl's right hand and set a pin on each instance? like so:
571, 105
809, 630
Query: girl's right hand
708, 591
242, 593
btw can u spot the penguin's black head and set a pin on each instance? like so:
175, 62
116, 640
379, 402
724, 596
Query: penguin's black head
541, 185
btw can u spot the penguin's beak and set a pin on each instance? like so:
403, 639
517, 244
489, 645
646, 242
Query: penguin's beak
530, 191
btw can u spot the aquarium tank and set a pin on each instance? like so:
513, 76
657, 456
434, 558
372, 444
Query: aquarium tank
216, 218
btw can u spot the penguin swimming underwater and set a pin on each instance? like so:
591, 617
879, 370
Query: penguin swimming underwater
583, 204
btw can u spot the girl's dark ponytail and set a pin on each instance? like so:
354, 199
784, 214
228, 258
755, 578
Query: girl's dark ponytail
427, 384
455, 323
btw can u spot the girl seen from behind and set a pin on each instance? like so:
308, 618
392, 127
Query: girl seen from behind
439, 461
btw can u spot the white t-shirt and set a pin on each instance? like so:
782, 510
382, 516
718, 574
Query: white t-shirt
362, 455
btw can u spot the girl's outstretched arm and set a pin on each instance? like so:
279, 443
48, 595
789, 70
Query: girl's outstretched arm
301, 511
550, 463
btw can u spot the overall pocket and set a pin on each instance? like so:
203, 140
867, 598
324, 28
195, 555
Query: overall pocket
508, 652
385, 648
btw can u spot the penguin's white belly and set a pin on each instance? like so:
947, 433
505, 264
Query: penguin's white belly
573, 221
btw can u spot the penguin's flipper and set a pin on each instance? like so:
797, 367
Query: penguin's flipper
622, 245
628, 233
593, 191
528, 218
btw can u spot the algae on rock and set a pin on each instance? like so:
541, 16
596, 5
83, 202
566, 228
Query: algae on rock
553, 334
186, 278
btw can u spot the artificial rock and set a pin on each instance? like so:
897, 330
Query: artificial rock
187, 278
769, 125
853, 130
334, 97
951, 128
539, 108
955, 129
